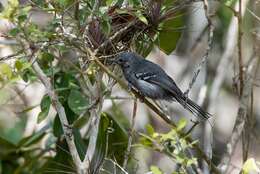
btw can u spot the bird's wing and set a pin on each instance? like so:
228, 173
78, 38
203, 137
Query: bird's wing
160, 79
154, 74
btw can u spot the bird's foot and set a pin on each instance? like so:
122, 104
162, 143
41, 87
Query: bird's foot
141, 97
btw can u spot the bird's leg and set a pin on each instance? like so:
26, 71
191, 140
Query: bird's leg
129, 86
141, 96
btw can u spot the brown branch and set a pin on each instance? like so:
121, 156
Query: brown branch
239, 45
114, 36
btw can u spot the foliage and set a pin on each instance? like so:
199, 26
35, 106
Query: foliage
65, 48
250, 166
52, 42
170, 144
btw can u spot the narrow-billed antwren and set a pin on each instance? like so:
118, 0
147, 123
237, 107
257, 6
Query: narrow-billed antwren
150, 80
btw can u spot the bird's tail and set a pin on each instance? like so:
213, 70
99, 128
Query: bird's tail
193, 107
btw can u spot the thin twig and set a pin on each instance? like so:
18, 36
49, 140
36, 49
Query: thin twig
206, 55
239, 45
207, 127
130, 139
114, 36
12, 56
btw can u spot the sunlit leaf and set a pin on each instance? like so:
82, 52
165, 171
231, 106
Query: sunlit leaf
149, 129
6, 70
181, 124
155, 170
250, 166
141, 17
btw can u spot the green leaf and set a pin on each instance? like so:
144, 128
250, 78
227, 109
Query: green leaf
57, 129
134, 3
181, 124
145, 142
141, 17
65, 3
155, 170
170, 33
45, 107
149, 129
6, 70
111, 2
192, 161
101, 144
250, 166
77, 102
47, 56
42, 115
14, 31
106, 27
32, 139
22, 18
6, 147
10, 10
18, 65
117, 137
80, 144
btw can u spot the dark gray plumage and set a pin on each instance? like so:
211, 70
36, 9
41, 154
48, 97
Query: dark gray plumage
151, 81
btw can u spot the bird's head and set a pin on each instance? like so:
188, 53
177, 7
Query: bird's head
125, 59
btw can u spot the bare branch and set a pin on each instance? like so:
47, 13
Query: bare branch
131, 132
241, 116
62, 115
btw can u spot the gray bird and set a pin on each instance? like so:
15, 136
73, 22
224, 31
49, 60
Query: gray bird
150, 80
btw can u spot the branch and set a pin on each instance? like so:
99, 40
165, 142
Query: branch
130, 139
239, 45
114, 36
94, 120
241, 115
210, 41
62, 116
244, 97
207, 127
